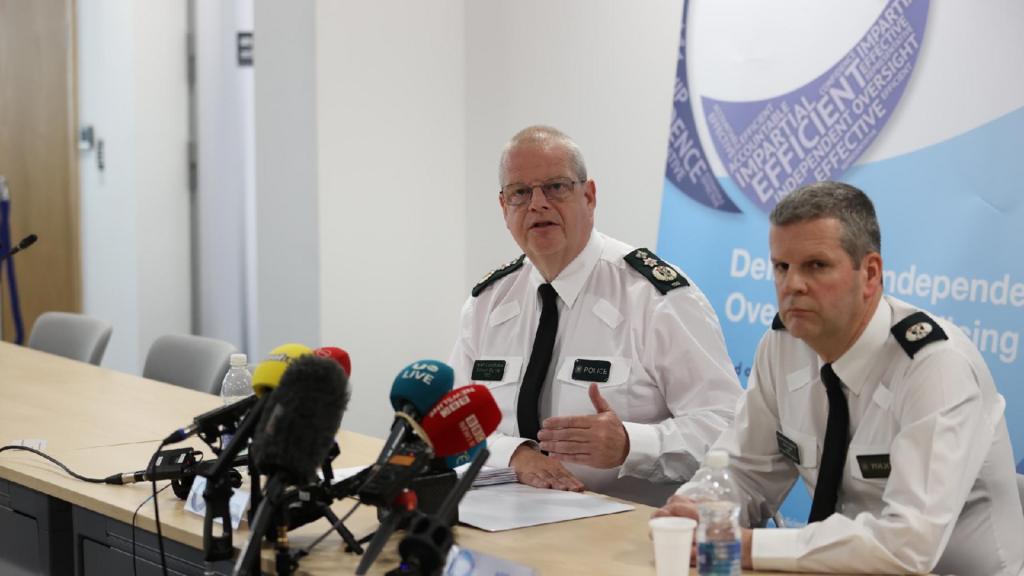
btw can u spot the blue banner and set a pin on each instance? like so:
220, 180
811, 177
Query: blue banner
950, 209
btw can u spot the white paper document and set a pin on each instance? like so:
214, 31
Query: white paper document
509, 506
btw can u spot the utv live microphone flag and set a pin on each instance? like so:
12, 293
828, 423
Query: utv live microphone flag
416, 390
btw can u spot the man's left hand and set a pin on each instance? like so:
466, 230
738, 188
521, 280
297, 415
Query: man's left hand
596, 440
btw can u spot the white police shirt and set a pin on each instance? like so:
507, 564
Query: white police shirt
929, 482
669, 377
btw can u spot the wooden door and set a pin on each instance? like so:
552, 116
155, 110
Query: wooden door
38, 154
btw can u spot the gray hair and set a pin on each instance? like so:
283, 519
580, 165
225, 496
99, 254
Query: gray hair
849, 205
547, 137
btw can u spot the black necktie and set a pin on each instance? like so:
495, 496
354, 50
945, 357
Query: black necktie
833, 456
537, 369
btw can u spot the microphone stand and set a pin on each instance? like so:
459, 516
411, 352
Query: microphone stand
310, 503
248, 561
218, 489
387, 489
425, 547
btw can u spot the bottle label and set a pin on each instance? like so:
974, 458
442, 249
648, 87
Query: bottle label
719, 558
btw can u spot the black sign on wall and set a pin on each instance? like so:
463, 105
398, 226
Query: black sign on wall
245, 48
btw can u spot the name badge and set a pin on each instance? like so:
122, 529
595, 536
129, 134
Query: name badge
874, 465
591, 370
488, 370
788, 448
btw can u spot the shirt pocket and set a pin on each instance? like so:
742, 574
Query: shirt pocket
505, 389
573, 378
808, 446
580, 371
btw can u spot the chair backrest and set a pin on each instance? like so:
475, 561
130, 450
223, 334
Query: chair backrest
74, 336
192, 362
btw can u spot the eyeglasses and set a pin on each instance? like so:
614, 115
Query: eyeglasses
556, 189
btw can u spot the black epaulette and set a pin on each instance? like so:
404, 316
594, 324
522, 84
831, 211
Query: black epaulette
917, 331
663, 276
777, 323
497, 274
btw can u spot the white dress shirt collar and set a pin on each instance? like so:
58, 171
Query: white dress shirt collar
570, 281
854, 365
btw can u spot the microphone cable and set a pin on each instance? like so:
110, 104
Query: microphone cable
55, 461
156, 506
135, 570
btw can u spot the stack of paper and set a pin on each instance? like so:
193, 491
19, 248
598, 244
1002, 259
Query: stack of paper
489, 476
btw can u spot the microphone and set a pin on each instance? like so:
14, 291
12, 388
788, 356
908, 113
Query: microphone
208, 423
25, 243
338, 355
420, 385
461, 419
268, 373
265, 378
297, 428
415, 390
293, 437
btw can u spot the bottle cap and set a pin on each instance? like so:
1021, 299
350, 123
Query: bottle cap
717, 459
238, 360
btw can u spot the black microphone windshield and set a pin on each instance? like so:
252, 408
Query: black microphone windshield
297, 427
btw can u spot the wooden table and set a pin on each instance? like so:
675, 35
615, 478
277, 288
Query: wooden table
99, 422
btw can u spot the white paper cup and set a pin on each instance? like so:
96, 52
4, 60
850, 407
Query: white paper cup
673, 536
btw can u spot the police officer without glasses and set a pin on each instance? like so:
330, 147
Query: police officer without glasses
888, 414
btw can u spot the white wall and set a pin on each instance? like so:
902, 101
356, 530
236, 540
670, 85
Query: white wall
225, 199
600, 70
391, 148
286, 303
132, 89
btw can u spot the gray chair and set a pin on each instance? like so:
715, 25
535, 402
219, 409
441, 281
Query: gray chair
192, 362
74, 336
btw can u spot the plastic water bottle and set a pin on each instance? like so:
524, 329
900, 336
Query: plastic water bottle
237, 384
718, 531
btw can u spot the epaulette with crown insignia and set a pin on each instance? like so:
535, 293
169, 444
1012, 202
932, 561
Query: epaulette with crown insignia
497, 274
917, 331
663, 276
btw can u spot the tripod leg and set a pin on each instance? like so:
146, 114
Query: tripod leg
380, 538
351, 544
